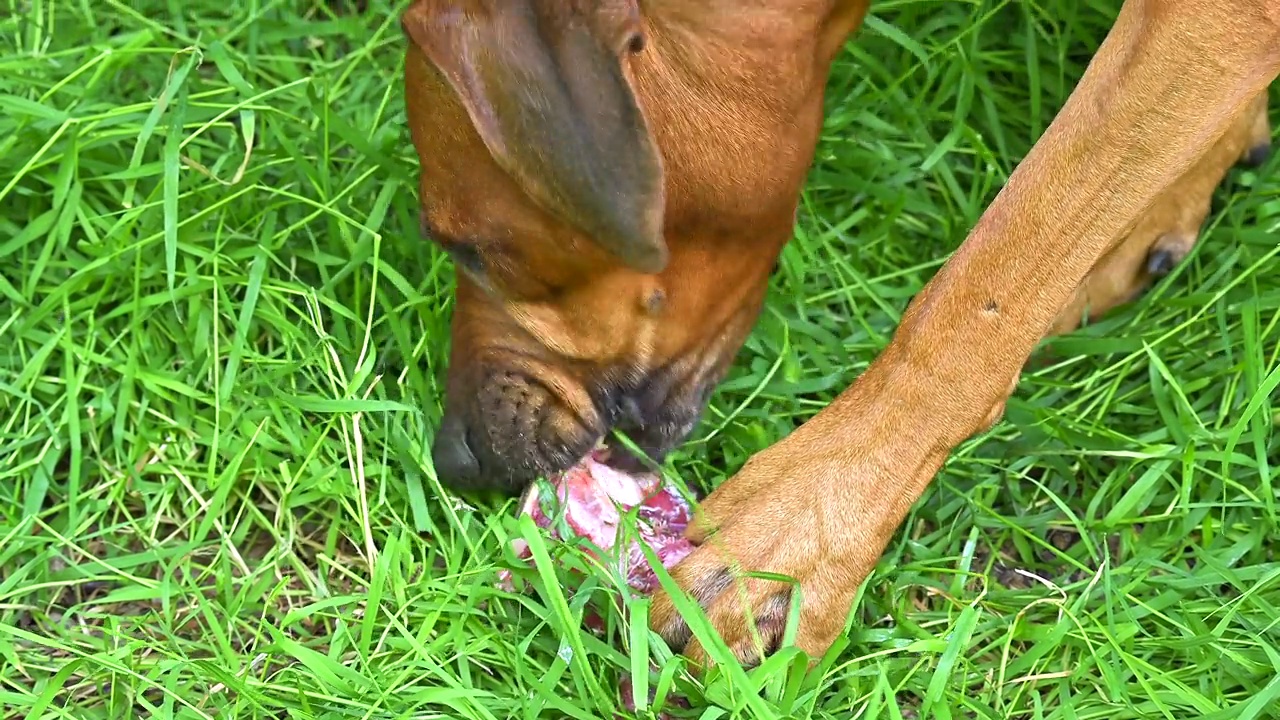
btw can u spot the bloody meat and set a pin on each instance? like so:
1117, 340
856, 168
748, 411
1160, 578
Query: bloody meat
590, 501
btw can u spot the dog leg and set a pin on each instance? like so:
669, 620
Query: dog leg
1168, 232
1171, 79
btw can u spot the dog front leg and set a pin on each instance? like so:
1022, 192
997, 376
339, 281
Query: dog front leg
820, 506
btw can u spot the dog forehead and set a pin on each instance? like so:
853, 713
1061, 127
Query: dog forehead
605, 17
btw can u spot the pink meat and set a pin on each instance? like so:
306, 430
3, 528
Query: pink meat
591, 500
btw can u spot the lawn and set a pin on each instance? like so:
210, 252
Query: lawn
222, 342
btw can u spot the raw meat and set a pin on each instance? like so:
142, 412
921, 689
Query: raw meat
591, 499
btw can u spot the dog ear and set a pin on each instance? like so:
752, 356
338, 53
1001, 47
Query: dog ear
543, 83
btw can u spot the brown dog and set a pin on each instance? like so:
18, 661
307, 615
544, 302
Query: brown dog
615, 179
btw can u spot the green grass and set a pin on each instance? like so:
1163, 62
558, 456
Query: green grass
221, 343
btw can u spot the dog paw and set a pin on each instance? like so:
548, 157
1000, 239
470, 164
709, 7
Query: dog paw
798, 524
1167, 234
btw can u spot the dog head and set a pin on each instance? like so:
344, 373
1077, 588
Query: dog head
613, 212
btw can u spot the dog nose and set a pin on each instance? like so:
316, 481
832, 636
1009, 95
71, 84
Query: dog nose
451, 454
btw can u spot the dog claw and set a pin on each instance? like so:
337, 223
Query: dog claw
1257, 155
1161, 262
1167, 252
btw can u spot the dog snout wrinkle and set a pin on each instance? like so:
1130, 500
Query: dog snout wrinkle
508, 426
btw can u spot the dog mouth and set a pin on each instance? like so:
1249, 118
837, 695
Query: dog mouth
626, 451
506, 429
644, 427
589, 497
